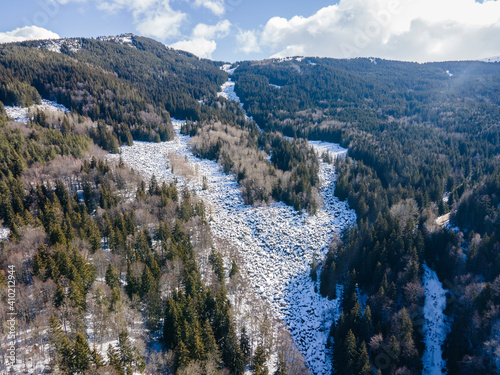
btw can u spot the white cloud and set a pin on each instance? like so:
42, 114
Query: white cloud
216, 6
398, 29
152, 17
220, 30
248, 41
162, 23
202, 41
27, 33
198, 46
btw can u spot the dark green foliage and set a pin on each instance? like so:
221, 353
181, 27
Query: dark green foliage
291, 174
258, 361
81, 354
234, 269
217, 262
112, 277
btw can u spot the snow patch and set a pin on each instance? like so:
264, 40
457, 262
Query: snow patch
229, 69
55, 45
124, 39
227, 91
275, 86
21, 114
436, 326
4, 233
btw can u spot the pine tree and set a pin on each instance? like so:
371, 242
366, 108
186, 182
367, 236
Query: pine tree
114, 359
125, 349
182, 355
81, 354
96, 358
259, 360
231, 353
234, 269
363, 362
367, 324
59, 296
170, 324
112, 277
147, 281
215, 259
350, 354
132, 286
76, 296
245, 346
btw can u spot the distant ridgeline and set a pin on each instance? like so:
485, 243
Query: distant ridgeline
424, 140
134, 88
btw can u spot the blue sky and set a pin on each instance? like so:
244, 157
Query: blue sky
230, 30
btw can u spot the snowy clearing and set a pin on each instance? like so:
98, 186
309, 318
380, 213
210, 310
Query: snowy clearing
436, 326
227, 91
276, 244
21, 114
227, 68
55, 45
4, 233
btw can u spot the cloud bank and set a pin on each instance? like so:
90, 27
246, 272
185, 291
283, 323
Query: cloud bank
424, 30
202, 41
27, 33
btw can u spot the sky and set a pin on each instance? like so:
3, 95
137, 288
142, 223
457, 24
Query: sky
234, 30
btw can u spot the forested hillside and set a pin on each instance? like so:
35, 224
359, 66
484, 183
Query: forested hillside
112, 271
423, 141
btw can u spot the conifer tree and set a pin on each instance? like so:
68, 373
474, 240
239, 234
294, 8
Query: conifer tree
81, 354
59, 296
111, 277
245, 347
363, 362
259, 360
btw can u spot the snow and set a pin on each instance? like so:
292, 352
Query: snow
21, 114
4, 233
443, 220
436, 325
276, 243
227, 91
228, 68
275, 86
124, 39
55, 45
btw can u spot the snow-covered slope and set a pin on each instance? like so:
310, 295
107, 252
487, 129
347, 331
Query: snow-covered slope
275, 242
55, 45
228, 69
21, 114
227, 91
436, 326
